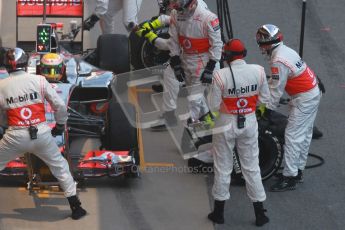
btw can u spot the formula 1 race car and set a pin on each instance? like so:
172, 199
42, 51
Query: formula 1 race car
99, 139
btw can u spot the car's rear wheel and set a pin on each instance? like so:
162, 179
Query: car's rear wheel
121, 133
113, 53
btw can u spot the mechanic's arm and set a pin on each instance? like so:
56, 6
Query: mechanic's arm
162, 43
264, 91
55, 101
277, 83
215, 94
215, 39
101, 8
174, 45
3, 114
215, 50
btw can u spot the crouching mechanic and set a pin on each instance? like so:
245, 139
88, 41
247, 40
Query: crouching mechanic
22, 99
106, 10
195, 47
290, 73
235, 92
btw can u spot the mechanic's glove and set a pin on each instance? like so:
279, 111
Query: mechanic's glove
207, 75
263, 112
90, 22
321, 86
175, 63
58, 129
148, 26
210, 118
151, 37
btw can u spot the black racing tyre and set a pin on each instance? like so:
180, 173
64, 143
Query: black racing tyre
144, 54
113, 53
120, 134
270, 154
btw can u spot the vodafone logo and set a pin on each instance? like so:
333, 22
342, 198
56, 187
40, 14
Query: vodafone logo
242, 103
187, 44
25, 113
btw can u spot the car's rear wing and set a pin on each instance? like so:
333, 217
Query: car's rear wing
47, 9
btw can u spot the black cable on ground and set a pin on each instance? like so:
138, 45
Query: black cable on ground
321, 161
319, 158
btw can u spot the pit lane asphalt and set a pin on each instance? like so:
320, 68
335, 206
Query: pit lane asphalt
182, 200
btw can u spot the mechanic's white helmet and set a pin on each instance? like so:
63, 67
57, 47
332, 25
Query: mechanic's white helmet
52, 67
13, 59
268, 37
182, 6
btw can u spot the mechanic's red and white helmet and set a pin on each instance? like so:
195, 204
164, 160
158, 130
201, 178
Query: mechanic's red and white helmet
13, 59
234, 49
268, 37
182, 6
52, 67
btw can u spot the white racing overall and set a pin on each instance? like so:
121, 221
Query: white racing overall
252, 88
22, 98
196, 38
290, 73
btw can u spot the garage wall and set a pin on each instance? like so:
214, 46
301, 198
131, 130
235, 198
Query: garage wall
8, 21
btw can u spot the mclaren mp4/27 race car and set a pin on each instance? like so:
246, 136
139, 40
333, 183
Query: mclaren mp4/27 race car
99, 139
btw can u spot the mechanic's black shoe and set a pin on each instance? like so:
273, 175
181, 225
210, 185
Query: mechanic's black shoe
285, 183
77, 211
299, 177
158, 88
217, 216
260, 216
167, 118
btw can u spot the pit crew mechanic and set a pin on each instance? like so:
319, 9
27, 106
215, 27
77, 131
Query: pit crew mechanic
290, 73
22, 98
195, 48
230, 129
148, 29
106, 10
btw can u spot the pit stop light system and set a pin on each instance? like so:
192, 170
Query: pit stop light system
43, 38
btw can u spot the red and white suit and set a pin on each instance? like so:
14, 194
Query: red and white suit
22, 100
162, 43
252, 88
291, 74
196, 38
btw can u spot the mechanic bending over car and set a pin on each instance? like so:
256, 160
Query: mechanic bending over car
106, 10
195, 48
147, 30
237, 126
290, 73
22, 98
